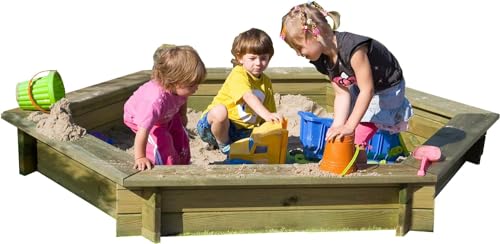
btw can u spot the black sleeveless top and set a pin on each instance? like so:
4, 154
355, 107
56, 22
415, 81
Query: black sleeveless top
386, 71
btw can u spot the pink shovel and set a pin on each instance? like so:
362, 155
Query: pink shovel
427, 154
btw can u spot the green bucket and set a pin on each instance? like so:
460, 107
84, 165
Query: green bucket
40, 93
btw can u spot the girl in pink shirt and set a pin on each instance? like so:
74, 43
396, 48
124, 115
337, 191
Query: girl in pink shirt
156, 111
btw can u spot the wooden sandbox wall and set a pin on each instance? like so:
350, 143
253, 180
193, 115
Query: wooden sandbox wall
180, 199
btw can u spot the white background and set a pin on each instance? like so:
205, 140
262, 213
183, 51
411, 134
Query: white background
446, 48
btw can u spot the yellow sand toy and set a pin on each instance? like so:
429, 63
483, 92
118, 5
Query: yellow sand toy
266, 145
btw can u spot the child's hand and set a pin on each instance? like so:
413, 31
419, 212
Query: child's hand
142, 164
274, 117
338, 131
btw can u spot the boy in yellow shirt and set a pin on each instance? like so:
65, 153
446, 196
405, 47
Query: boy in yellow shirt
246, 99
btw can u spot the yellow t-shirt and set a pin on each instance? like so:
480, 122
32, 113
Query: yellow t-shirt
231, 94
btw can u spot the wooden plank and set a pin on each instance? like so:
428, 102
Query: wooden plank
101, 116
438, 105
404, 216
425, 105
27, 153
330, 98
107, 126
431, 115
128, 224
151, 215
95, 154
89, 166
423, 196
460, 134
473, 155
194, 220
207, 89
306, 89
309, 88
275, 74
314, 91
422, 219
266, 175
423, 127
449, 173
84, 182
129, 201
295, 73
200, 103
100, 95
454, 140
410, 141
242, 221
422, 110
418, 212
171, 223
300, 198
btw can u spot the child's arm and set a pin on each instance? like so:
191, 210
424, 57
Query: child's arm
140, 161
347, 123
183, 111
363, 72
341, 105
257, 106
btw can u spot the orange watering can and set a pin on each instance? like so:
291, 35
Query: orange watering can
426, 154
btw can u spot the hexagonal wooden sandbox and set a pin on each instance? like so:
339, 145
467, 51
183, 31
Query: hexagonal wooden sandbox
175, 199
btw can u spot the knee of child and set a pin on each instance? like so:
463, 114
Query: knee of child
217, 114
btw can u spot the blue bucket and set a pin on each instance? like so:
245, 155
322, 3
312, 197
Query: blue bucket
383, 145
312, 134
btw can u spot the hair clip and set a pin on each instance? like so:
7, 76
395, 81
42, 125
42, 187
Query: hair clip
311, 26
315, 31
317, 6
283, 33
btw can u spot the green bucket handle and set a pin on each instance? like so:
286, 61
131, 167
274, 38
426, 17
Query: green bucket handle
353, 159
30, 92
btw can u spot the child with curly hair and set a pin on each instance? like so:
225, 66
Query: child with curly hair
156, 110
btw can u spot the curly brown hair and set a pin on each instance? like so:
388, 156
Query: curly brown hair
178, 65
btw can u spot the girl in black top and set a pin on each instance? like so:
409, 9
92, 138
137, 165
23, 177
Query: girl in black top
367, 79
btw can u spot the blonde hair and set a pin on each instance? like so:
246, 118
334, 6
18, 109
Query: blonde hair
305, 21
252, 41
160, 50
178, 65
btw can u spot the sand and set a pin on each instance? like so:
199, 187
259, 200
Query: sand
201, 154
287, 105
59, 125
